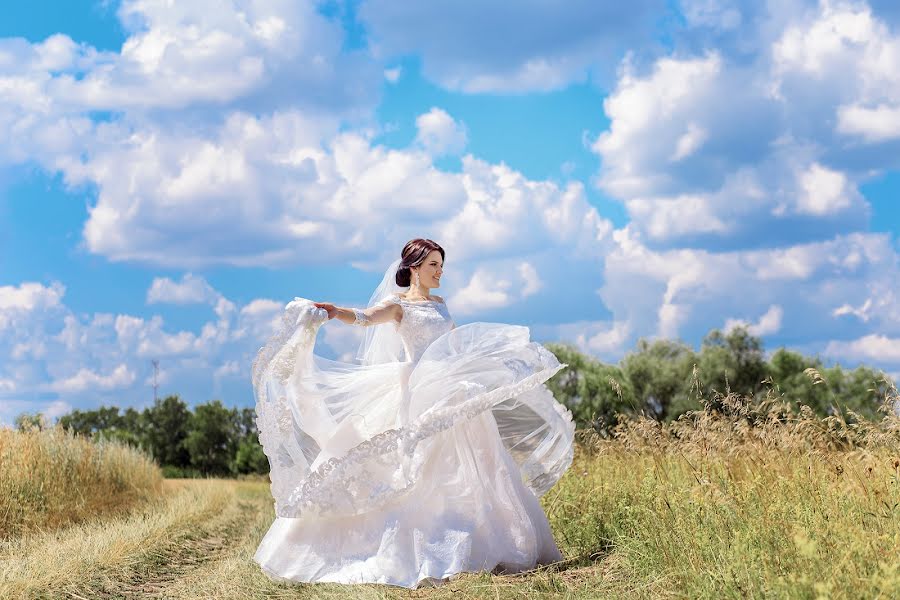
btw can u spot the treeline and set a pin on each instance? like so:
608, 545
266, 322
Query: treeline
664, 379
661, 379
208, 440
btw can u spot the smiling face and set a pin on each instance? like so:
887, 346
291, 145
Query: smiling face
431, 269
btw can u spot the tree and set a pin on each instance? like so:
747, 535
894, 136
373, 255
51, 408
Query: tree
165, 429
861, 390
212, 438
789, 373
91, 422
250, 458
732, 361
660, 375
595, 392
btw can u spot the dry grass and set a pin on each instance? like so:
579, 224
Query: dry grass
51, 478
741, 500
120, 555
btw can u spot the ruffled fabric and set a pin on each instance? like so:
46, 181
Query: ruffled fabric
343, 439
406, 471
475, 514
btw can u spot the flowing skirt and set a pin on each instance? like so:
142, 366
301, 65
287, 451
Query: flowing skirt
402, 472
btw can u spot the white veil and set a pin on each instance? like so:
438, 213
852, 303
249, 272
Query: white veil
382, 343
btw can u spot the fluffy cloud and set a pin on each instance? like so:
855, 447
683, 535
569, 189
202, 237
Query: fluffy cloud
86, 359
813, 97
87, 380
192, 53
439, 134
768, 323
190, 290
682, 293
872, 348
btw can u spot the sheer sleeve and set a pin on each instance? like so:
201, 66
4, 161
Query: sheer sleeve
381, 344
382, 312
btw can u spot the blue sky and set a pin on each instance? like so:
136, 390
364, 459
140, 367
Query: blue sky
174, 174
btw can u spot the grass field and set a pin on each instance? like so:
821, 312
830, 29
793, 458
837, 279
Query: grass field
51, 478
743, 503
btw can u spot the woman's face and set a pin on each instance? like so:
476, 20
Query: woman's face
431, 269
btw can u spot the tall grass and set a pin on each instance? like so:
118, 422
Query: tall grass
50, 478
741, 499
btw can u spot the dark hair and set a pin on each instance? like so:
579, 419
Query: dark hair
413, 255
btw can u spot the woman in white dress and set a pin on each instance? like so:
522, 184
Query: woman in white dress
425, 460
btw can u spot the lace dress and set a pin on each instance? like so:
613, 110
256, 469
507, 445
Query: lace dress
413, 470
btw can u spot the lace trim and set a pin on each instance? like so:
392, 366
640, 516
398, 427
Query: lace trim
321, 486
360, 318
300, 322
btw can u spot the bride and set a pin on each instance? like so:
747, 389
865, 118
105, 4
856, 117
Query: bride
423, 461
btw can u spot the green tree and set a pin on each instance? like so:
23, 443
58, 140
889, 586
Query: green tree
250, 458
861, 390
91, 422
595, 392
660, 375
165, 429
789, 373
732, 361
213, 436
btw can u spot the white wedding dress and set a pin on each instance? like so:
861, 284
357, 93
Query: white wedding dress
411, 470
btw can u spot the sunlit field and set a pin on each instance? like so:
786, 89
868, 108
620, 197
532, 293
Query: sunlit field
49, 478
738, 500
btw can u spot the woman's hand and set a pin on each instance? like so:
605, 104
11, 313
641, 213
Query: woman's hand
331, 309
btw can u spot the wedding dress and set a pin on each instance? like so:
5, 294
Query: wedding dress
409, 470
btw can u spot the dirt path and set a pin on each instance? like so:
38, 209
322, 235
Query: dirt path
198, 542
211, 542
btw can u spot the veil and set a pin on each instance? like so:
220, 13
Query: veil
383, 344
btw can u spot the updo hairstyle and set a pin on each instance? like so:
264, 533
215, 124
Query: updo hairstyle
413, 255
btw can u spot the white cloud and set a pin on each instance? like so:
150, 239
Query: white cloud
875, 124
439, 134
229, 368
773, 162
610, 340
768, 323
646, 116
484, 291
86, 380
861, 313
825, 191
201, 52
190, 290
506, 212
686, 292
876, 348
531, 278
690, 141
86, 359
16, 301
10, 409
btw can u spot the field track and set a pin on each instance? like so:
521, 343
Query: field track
197, 542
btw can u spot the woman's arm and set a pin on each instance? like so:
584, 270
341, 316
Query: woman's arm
380, 313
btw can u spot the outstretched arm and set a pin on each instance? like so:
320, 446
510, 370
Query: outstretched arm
379, 313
